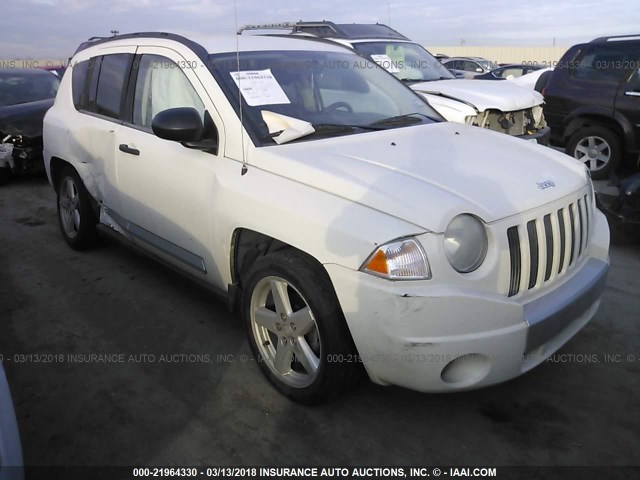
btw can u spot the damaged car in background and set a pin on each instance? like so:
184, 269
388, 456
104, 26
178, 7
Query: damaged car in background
498, 106
25, 96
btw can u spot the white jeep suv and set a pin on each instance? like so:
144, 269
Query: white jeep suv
351, 225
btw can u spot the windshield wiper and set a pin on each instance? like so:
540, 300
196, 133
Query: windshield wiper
342, 126
413, 80
329, 129
326, 129
402, 119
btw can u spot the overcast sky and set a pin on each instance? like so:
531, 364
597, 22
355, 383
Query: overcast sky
54, 28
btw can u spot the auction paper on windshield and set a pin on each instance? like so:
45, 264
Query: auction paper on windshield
385, 62
260, 87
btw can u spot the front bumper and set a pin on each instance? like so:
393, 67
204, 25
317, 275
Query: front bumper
542, 136
439, 338
549, 315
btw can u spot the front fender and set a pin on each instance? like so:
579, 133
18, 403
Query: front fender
329, 228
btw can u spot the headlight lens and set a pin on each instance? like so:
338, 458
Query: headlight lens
465, 243
400, 260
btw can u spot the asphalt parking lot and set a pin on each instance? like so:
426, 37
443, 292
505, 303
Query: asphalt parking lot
175, 382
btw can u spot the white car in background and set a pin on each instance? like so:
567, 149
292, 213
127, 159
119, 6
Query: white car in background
532, 80
497, 106
330, 203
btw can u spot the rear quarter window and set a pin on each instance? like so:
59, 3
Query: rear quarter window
605, 63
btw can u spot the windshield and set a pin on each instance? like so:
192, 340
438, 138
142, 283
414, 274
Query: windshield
407, 61
20, 87
339, 93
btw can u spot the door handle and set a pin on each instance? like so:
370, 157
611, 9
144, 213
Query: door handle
632, 94
131, 151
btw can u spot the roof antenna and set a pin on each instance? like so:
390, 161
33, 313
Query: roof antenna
244, 158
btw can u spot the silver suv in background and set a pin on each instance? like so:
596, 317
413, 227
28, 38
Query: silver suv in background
469, 67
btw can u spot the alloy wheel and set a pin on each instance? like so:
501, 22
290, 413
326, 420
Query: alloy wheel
285, 332
594, 151
69, 204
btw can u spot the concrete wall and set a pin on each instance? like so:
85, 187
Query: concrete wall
32, 63
542, 55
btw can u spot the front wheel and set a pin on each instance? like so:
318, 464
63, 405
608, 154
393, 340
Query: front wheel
598, 148
296, 328
75, 215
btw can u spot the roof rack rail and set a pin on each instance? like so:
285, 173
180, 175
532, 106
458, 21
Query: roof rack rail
198, 49
616, 38
327, 29
267, 26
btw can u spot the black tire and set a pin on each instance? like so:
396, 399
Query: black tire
76, 218
577, 143
5, 175
307, 285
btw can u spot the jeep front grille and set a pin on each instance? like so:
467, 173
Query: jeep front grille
546, 247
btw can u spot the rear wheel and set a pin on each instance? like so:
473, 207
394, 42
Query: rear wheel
296, 328
75, 215
598, 148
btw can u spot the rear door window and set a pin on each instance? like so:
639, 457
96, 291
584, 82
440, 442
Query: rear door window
470, 66
114, 72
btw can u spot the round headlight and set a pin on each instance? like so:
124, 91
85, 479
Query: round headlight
465, 243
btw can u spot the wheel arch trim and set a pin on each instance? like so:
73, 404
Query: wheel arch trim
603, 118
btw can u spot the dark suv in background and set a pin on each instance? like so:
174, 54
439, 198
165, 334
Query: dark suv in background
592, 103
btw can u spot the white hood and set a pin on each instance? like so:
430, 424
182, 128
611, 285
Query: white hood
427, 174
484, 94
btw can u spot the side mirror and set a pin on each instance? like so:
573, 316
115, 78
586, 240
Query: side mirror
479, 70
181, 124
